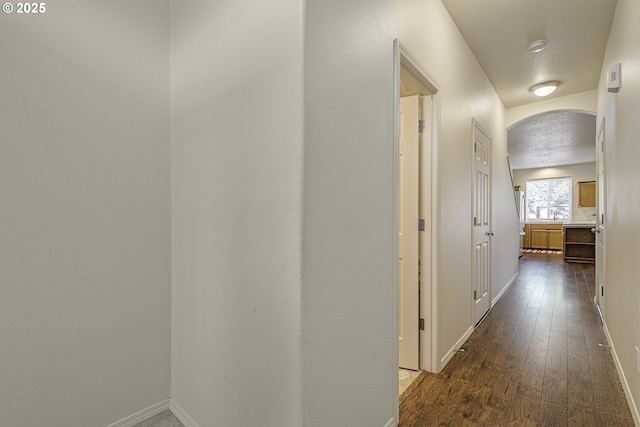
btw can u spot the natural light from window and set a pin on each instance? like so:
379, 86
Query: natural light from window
549, 199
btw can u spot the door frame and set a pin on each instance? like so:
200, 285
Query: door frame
600, 299
404, 62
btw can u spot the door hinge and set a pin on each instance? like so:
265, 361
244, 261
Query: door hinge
420, 126
475, 295
602, 290
421, 324
421, 226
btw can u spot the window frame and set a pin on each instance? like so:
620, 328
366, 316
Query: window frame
550, 219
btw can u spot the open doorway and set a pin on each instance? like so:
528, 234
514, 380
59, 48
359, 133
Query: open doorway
416, 110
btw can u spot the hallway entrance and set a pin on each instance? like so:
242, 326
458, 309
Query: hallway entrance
535, 360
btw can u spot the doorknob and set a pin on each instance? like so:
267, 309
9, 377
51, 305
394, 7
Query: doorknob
595, 230
489, 233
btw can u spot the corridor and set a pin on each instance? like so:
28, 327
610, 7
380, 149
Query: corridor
534, 360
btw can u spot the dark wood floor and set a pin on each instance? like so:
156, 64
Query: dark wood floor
534, 360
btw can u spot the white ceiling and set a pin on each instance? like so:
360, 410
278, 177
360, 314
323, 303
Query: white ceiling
498, 33
552, 139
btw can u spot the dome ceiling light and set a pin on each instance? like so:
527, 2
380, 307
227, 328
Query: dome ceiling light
537, 46
544, 89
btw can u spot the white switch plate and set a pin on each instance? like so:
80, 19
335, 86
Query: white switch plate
613, 78
637, 360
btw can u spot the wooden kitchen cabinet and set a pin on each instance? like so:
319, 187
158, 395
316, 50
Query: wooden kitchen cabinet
587, 194
555, 238
546, 236
526, 239
538, 237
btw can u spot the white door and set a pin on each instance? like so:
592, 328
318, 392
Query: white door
408, 295
599, 226
481, 258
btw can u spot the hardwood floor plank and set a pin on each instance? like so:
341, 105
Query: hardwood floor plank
580, 416
554, 388
534, 360
526, 406
533, 370
503, 396
552, 414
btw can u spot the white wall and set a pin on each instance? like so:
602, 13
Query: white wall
236, 141
428, 32
275, 305
578, 172
84, 207
621, 112
583, 101
348, 373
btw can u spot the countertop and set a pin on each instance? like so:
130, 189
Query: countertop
568, 223
579, 223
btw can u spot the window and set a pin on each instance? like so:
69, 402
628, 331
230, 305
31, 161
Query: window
549, 199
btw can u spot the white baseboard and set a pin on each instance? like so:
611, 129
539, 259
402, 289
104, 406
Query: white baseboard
447, 357
134, 419
177, 411
181, 414
623, 379
513, 279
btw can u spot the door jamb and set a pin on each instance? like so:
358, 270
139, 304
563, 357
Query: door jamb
600, 212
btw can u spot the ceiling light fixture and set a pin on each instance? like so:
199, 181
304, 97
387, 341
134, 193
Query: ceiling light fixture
537, 46
544, 89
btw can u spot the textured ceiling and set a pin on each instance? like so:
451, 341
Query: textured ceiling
499, 31
552, 139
